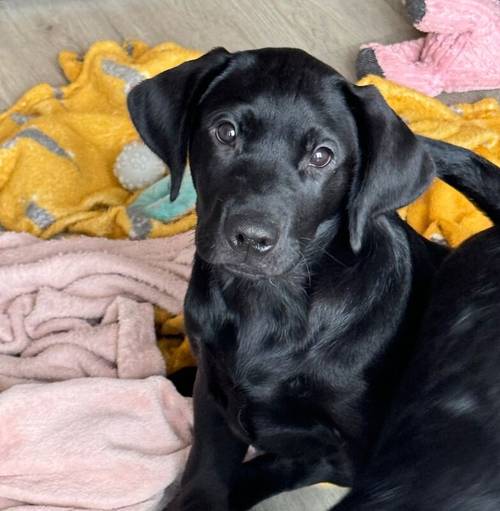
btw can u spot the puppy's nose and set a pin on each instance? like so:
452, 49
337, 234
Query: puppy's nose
244, 234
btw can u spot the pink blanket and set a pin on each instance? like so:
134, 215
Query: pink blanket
93, 443
84, 307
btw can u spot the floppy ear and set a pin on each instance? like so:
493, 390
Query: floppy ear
394, 169
162, 109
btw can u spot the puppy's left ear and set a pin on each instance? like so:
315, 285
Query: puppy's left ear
394, 166
162, 109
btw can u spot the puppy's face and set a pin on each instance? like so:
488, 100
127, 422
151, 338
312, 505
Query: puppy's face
270, 162
281, 148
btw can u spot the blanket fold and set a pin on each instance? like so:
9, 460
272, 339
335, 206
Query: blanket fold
79, 307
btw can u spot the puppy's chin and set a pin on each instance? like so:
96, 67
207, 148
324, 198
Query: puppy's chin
248, 271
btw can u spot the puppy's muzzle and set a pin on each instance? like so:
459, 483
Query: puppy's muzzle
254, 236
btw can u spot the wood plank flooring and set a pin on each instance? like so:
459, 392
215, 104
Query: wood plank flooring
32, 32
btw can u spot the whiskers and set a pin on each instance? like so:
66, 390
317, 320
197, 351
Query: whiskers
303, 263
333, 258
316, 248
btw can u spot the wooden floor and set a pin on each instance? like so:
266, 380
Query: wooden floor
32, 32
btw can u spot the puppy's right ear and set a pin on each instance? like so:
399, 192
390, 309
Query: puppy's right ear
162, 109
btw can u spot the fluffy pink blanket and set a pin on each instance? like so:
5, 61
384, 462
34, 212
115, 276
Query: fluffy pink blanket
83, 307
92, 443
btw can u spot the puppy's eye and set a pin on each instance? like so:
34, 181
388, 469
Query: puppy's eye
321, 157
225, 132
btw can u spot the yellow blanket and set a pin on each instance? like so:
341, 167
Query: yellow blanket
58, 146
442, 212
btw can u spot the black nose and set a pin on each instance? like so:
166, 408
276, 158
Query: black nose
245, 233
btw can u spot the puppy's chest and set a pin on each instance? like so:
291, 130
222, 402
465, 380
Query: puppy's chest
268, 399
261, 376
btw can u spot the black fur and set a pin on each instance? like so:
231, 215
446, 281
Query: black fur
440, 447
300, 346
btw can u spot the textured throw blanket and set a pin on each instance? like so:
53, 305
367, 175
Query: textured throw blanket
80, 307
60, 148
93, 444
78, 312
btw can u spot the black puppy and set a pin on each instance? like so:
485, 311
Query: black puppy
306, 287
440, 447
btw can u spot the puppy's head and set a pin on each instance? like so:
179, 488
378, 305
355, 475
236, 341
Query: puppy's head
280, 147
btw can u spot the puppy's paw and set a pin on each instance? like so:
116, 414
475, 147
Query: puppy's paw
199, 501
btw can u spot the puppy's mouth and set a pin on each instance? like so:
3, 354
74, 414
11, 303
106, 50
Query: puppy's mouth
246, 273
258, 274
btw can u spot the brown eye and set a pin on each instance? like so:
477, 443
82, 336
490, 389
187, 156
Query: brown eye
321, 157
225, 133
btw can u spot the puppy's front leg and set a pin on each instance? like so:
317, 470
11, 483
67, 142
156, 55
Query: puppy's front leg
268, 475
215, 455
